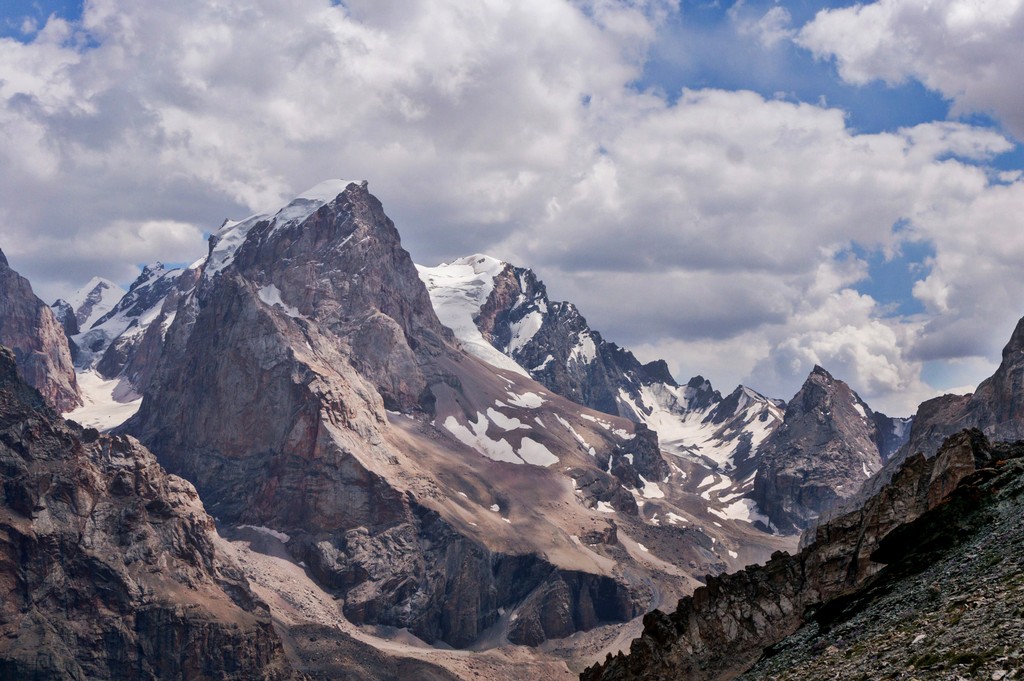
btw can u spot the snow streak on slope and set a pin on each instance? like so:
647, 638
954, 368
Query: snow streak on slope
457, 291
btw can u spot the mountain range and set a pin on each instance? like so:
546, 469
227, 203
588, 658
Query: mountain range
399, 460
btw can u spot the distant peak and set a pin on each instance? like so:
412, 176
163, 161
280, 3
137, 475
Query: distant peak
3, 259
152, 268
699, 382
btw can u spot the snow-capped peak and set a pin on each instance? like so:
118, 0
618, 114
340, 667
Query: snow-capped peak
94, 300
457, 291
232, 234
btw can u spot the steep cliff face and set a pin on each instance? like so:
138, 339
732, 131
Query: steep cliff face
724, 627
107, 564
826, 448
29, 327
305, 384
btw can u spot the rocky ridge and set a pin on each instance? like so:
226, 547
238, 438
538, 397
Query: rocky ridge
493, 305
996, 406
723, 627
107, 564
948, 604
111, 337
30, 329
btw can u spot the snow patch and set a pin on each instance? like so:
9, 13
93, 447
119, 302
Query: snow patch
502, 421
106, 403
744, 510
535, 453
524, 330
271, 295
605, 507
651, 490
280, 536
457, 292
475, 437
526, 400
674, 518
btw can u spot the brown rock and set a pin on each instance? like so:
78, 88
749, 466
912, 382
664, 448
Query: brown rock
29, 327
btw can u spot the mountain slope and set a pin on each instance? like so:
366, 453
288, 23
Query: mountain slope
306, 385
947, 604
107, 564
501, 312
30, 329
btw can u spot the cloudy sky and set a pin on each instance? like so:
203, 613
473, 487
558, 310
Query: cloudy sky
743, 188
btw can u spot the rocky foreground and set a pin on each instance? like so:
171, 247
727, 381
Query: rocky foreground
948, 605
923, 579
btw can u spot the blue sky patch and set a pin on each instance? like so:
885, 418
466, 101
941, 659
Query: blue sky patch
890, 281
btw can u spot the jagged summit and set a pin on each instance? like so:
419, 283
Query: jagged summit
827, 446
819, 370
225, 241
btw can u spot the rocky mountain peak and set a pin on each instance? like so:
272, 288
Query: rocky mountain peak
3, 260
94, 300
826, 448
996, 407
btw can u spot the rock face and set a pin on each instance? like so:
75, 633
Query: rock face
29, 328
107, 564
725, 626
305, 384
829, 444
946, 605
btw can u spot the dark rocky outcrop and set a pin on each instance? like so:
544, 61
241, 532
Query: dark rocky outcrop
827, 446
107, 564
947, 604
29, 327
725, 626
65, 314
